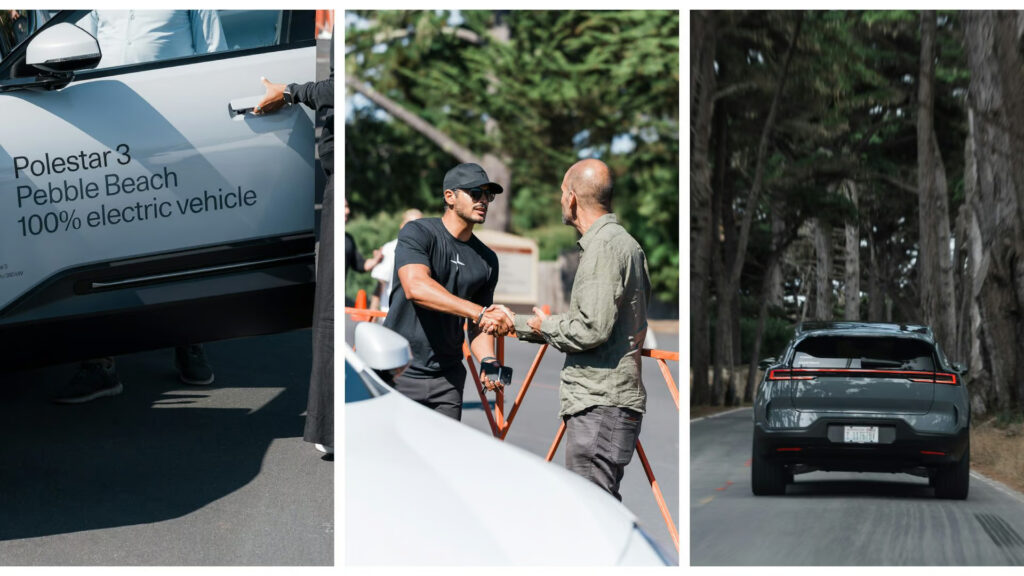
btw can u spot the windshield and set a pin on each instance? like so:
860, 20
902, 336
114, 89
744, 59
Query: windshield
360, 386
864, 353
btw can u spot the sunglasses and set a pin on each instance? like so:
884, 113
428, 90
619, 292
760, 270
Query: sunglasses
477, 193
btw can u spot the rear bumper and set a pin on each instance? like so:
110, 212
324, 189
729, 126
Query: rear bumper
900, 447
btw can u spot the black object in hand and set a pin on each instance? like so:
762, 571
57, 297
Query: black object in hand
495, 371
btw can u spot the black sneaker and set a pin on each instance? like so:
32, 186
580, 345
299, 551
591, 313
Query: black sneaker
93, 380
192, 365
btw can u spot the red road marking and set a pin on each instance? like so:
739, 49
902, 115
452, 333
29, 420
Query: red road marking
722, 489
747, 463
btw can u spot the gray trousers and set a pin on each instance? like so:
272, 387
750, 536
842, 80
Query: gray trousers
442, 394
599, 443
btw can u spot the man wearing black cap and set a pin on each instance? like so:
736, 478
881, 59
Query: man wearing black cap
443, 276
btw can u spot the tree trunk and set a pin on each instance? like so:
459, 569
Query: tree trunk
823, 270
774, 259
775, 287
935, 277
995, 105
851, 269
968, 262
702, 89
723, 213
723, 338
876, 292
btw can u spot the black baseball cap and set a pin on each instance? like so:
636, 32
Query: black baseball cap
466, 176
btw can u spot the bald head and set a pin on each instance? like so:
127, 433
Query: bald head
591, 181
410, 215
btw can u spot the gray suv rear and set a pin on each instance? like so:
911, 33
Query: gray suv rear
865, 397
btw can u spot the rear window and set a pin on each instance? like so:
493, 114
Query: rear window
865, 353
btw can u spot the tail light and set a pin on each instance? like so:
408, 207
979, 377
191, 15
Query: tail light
788, 375
939, 378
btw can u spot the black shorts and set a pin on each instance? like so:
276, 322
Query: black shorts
441, 393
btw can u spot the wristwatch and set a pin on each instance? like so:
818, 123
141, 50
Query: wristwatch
288, 97
480, 316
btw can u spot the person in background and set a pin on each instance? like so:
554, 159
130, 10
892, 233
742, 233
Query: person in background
385, 271
354, 260
128, 37
133, 36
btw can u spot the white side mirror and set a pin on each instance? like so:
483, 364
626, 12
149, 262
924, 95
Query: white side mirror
381, 348
63, 48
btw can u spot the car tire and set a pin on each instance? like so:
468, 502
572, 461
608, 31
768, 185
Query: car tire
766, 478
952, 482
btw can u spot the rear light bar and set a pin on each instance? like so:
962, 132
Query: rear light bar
787, 375
912, 375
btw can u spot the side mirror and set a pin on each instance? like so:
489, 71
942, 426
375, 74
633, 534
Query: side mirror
960, 367
63, 48
766, 362
381, 348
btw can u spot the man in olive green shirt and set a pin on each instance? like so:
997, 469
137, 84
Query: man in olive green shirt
602, 335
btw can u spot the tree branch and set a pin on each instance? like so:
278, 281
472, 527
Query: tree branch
892, 181
762, 152
463, 34
734, 89
447, 143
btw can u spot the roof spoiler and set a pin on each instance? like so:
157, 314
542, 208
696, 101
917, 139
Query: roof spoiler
814, 325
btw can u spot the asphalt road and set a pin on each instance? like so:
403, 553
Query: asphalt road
833, 518
165, 473
537, 422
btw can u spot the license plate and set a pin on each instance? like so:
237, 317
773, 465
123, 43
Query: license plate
860, 434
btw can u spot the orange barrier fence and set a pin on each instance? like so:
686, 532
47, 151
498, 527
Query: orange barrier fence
496, 416
324, 23
661, 356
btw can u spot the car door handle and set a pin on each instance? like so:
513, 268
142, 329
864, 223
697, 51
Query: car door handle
240, 106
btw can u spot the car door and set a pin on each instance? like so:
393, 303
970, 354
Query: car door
132, 162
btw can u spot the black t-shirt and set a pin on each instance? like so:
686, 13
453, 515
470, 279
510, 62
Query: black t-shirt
468, 270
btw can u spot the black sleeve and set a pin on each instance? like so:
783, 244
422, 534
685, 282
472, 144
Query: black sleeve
316, 95
353, 258
414, 246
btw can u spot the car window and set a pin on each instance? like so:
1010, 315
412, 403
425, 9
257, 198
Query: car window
17, 25
864, 353
244, 29
141, 36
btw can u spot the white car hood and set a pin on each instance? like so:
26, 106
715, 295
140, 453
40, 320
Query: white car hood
422, 488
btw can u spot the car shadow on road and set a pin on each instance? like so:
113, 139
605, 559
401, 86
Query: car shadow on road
160, 450
861, 488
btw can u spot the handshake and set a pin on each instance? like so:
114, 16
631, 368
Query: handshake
497, 320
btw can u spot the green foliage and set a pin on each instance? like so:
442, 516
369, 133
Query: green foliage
647, 202
565, 85
848, 112
553, 240
777, 333
778, 330
1008, 419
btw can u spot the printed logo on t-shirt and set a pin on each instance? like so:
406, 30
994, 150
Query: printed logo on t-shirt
458, 260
